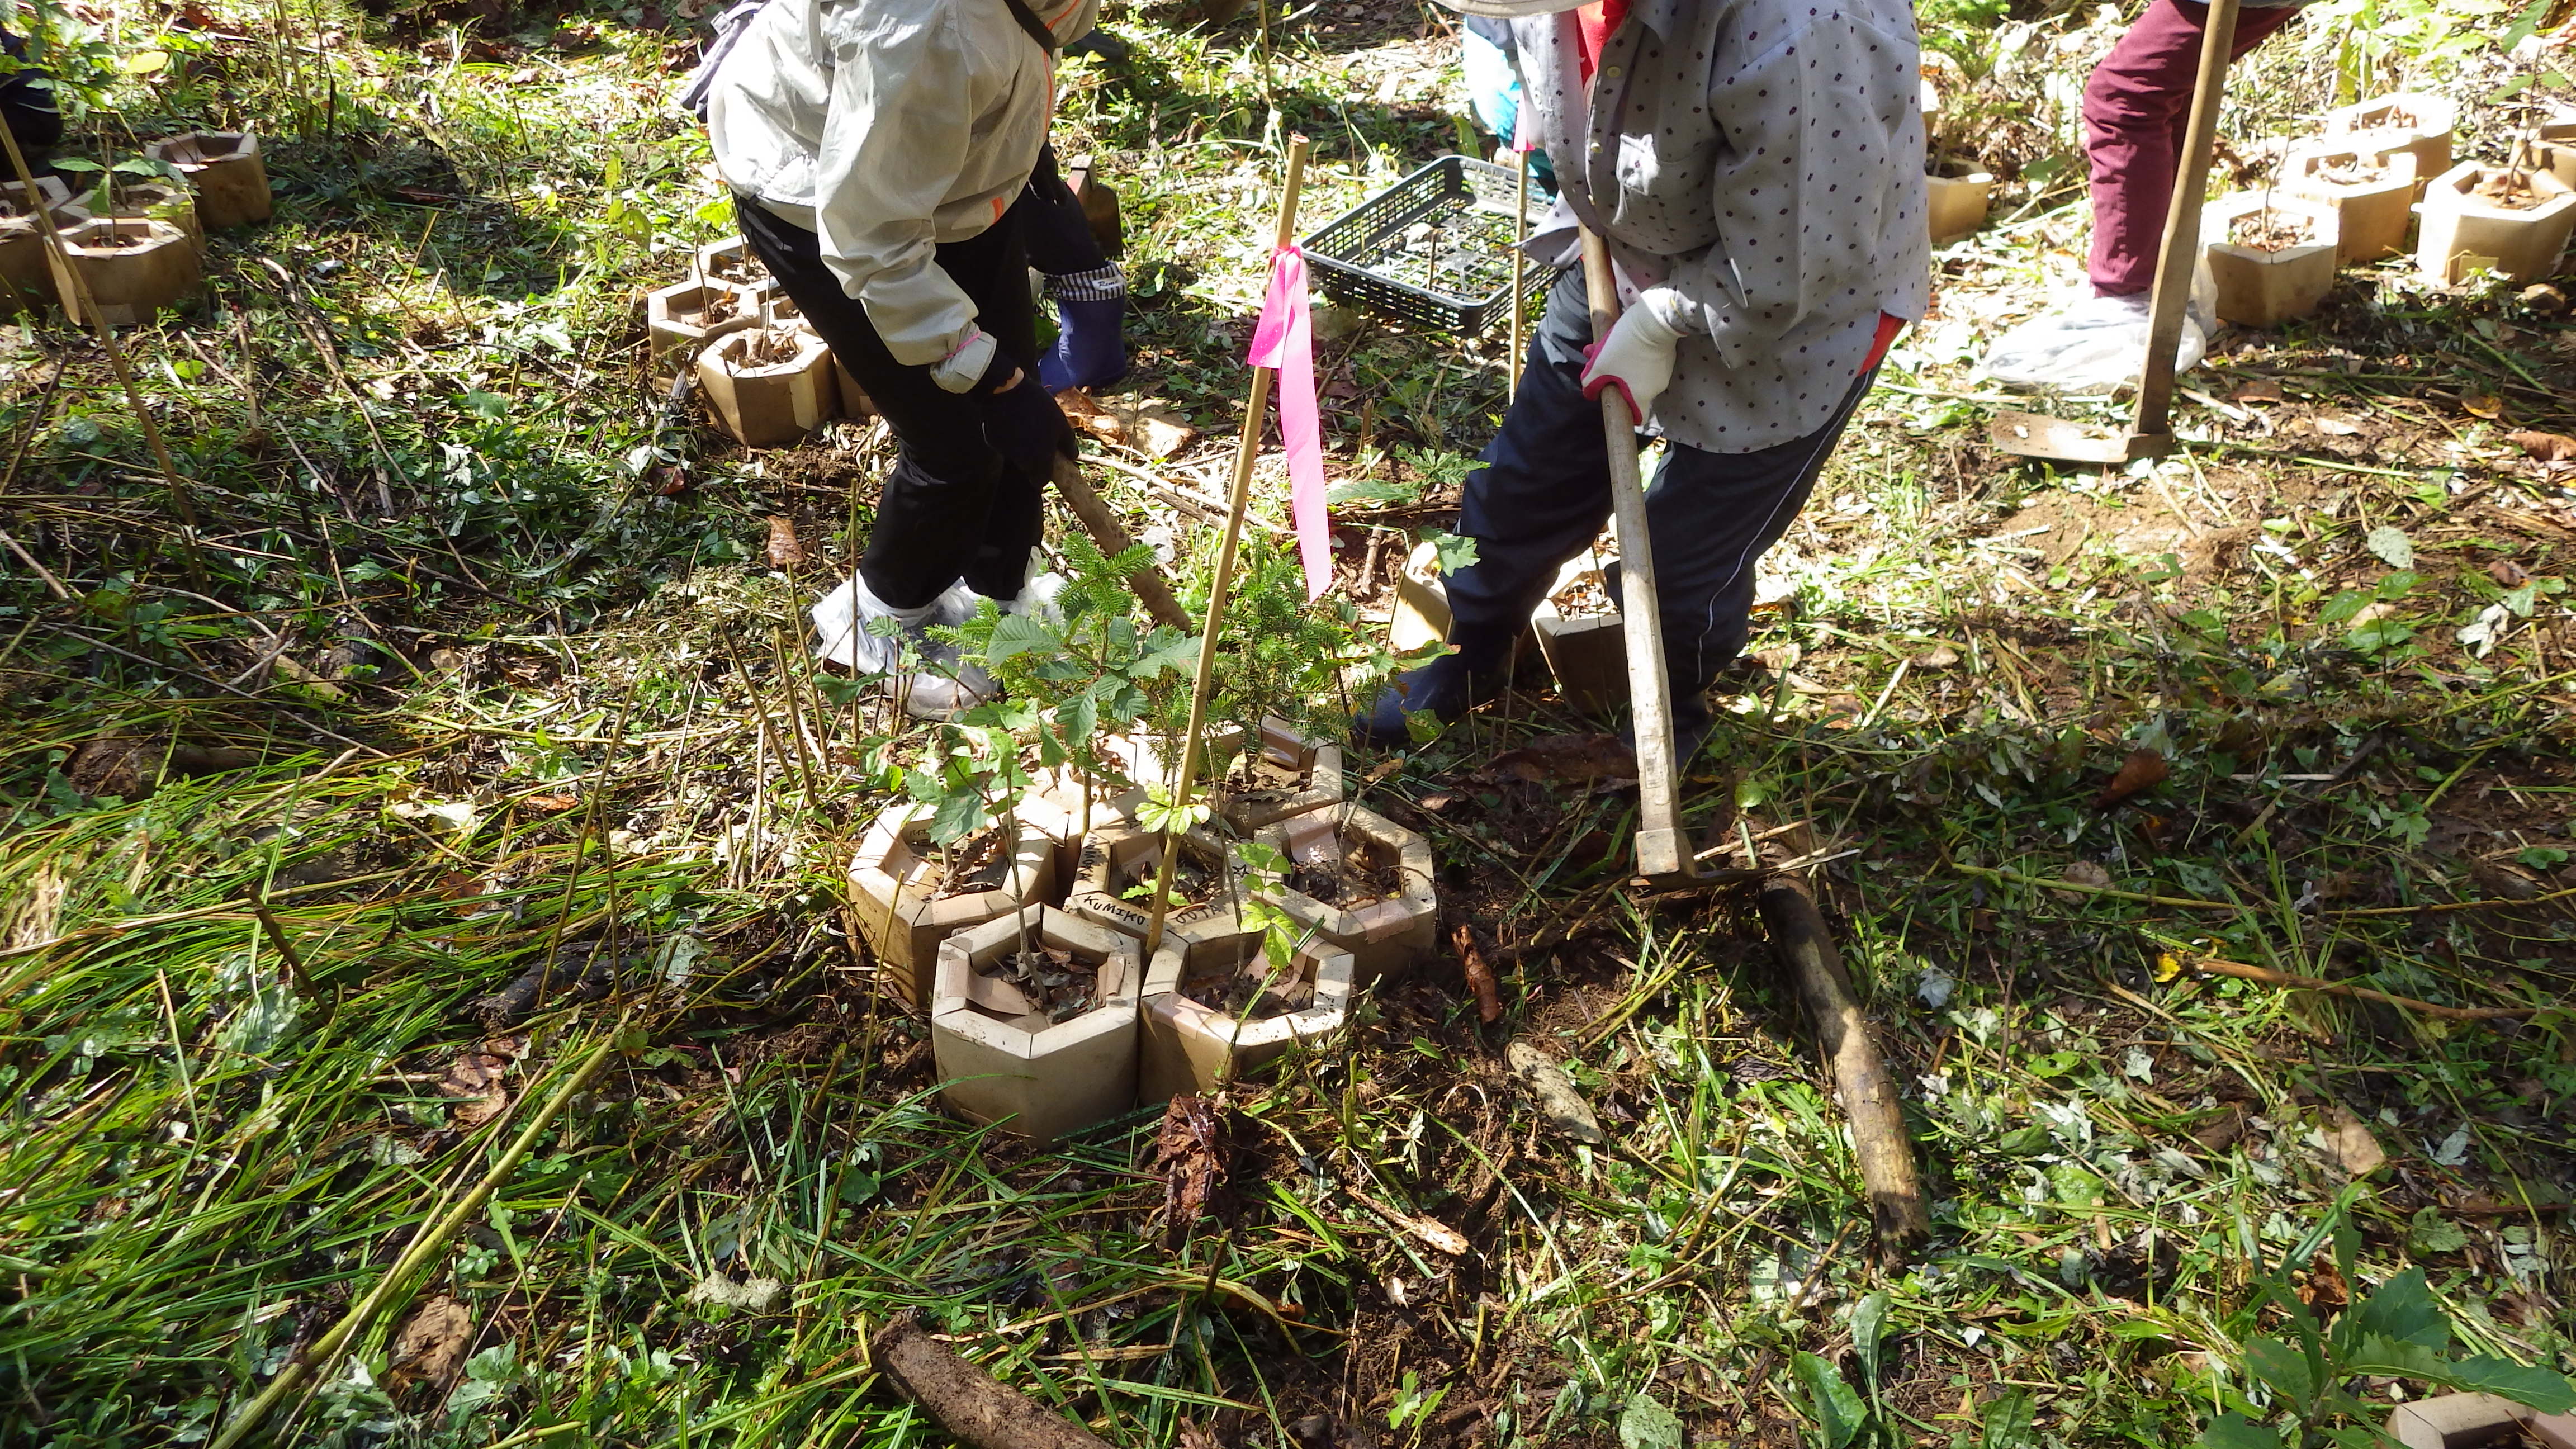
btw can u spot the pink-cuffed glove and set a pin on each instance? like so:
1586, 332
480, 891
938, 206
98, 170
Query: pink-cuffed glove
1637, 358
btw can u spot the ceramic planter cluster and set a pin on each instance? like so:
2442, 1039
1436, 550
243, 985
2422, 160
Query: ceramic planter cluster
2380, 167
1211, 1006
768, 377
146, 250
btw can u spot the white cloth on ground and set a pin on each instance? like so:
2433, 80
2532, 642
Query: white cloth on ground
2092, 345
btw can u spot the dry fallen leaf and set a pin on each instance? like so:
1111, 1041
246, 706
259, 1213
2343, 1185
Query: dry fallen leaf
1939, 656
2143, 770
1480, 974
2259, 390
475, 1080
2355, 1150
2482, 405
2507, 573
2545, 447
430, 1346
784, 551
552, 802
1190, 1153
2337, 427
2085, 873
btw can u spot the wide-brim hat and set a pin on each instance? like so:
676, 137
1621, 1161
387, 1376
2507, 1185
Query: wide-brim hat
1513, 9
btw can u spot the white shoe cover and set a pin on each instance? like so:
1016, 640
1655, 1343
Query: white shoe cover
840, 621
2094, 345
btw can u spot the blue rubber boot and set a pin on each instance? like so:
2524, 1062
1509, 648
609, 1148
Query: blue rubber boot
1090, 350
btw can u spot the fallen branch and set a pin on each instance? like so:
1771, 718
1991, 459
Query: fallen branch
974, 1408
2270, 977
1111, 535
1868, 1095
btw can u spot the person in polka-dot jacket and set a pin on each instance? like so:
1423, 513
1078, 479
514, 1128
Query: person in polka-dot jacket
1756, 167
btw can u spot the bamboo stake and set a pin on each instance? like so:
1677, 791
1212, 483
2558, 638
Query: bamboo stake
76, 298
1247, 450
433, 1239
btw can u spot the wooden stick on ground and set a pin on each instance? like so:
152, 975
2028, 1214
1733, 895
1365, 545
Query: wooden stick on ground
1868, 1095
2270, 977
1247, 451
974, 1408
1105, 530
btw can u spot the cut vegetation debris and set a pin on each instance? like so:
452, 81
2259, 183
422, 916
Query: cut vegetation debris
440, 725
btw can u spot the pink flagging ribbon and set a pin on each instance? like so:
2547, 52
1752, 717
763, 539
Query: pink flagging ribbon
1285, 340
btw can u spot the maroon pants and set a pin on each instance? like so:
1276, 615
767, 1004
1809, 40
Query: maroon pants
2135, 109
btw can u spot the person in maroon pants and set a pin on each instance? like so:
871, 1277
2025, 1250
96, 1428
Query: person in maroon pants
2135, 108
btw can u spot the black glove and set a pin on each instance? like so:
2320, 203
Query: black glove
1021, 422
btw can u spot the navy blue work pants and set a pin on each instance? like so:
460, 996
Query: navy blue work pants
1544, 492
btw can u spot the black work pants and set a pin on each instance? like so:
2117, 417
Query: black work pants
1544, 492
953, 507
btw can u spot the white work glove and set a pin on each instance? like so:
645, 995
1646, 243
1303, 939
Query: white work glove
1637, 357
960, 370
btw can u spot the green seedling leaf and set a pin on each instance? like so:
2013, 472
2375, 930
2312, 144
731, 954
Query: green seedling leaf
2430, 1232
1645, 1424
2008, 1422
2235, 1431
1015, 634
1162, 816
959, 815
1454, 551
2391, 545
1868, 1326
2402, 1309
2282, 1369
1837, 1409
2534, 1388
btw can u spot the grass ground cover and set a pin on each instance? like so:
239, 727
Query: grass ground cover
471, 732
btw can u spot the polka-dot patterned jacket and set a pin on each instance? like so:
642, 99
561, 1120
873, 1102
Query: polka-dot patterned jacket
1758, 164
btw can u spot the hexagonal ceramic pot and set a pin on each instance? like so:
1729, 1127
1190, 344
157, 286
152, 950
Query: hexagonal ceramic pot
26, 267
2477, 1421
132, 266
225, 168
1188, 1045
2462, 230
1149, 760
893, 892
1957, 205
1588, 653
732, 261
1290, 775
999, 1063
162, 201
1383, 934
1057, 804
2372, 212
681, 317
2257, 288
768, 404
1116, 858
2426, 129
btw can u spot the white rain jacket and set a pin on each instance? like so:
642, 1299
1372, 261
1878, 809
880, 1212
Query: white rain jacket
888, 127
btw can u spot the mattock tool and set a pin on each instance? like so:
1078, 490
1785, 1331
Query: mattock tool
1663, 851
2035, 435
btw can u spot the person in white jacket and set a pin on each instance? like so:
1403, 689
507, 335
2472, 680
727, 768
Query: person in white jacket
878, 151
